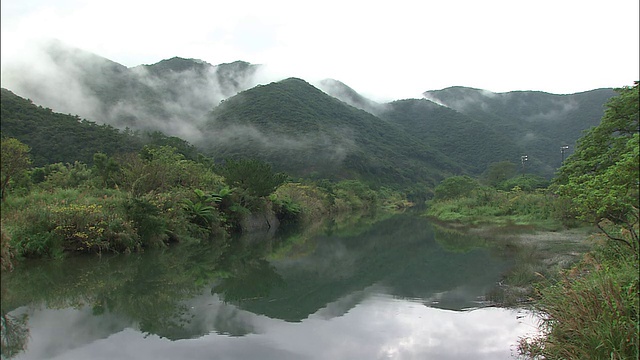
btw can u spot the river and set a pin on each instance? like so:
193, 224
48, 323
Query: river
385, 288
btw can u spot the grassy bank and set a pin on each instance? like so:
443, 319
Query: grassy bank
490, 206
581, 281
591, 311
157, 197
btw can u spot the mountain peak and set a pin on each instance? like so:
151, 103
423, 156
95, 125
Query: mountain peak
177, 64
342, 92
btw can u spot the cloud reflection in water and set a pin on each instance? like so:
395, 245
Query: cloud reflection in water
378, 327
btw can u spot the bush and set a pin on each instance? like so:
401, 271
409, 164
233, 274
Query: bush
6, 251
454, 187
592, 312
48, 224
149, 225
525, 183
353, 195
293, 200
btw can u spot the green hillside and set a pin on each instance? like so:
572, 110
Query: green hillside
467, 141
539, 123
55, 137
335, 133
171, 96
341, 91
305, 132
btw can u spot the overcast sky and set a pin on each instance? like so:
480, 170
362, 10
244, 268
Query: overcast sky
383, 49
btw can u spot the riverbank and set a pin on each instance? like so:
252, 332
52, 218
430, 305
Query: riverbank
583, 285
538, 254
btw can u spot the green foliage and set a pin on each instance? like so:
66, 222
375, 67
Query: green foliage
297, 200
454, 187
352, 194
526, 182
145, 217
157, 139
499, 172
539, 123
253, 178
488, 205
592, 312
601, 177
62, 176
51, 223
14, 160
443, 128
7, 253
55, 137
305, 132
106, 168
201, 211
158, 169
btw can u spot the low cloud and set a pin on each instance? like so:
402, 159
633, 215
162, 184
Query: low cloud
557, 112
175, 96
323, 147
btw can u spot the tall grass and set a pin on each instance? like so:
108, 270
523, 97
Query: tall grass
488, 205
592, 312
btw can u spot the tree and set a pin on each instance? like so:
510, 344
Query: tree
253, 176
105, 167
498, 172
15, 159
602, 175
455, 186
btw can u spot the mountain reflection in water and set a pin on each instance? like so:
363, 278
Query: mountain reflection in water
385, 289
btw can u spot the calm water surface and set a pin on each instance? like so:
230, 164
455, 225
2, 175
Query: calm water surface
390, 289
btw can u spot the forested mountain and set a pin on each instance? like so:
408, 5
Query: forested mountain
171, 96
540, 123
54, 137
341, 91
306, 132
467, 141
333, 133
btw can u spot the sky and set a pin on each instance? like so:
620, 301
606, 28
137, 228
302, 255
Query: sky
385, 50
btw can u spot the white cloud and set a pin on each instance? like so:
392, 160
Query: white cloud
384, 50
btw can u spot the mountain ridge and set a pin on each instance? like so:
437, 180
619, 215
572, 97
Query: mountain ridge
460, 130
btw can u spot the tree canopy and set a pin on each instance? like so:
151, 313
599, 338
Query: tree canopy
602, 175
15, 159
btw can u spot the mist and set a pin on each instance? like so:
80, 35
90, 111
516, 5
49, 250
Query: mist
173, 96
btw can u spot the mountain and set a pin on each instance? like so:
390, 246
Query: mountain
540, 123
305, 132
172, 96
331, 131
341, 91
465, 140
55, 137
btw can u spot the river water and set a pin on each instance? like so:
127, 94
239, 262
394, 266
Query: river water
390, 288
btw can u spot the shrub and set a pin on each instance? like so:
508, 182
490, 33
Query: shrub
6, 251
592, 312
294, 200
353, 195
48, 224
454, 187
149, 225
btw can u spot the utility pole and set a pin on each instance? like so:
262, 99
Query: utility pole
562, 150
523, 158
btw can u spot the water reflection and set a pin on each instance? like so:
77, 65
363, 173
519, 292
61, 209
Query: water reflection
377, 327
372, 291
